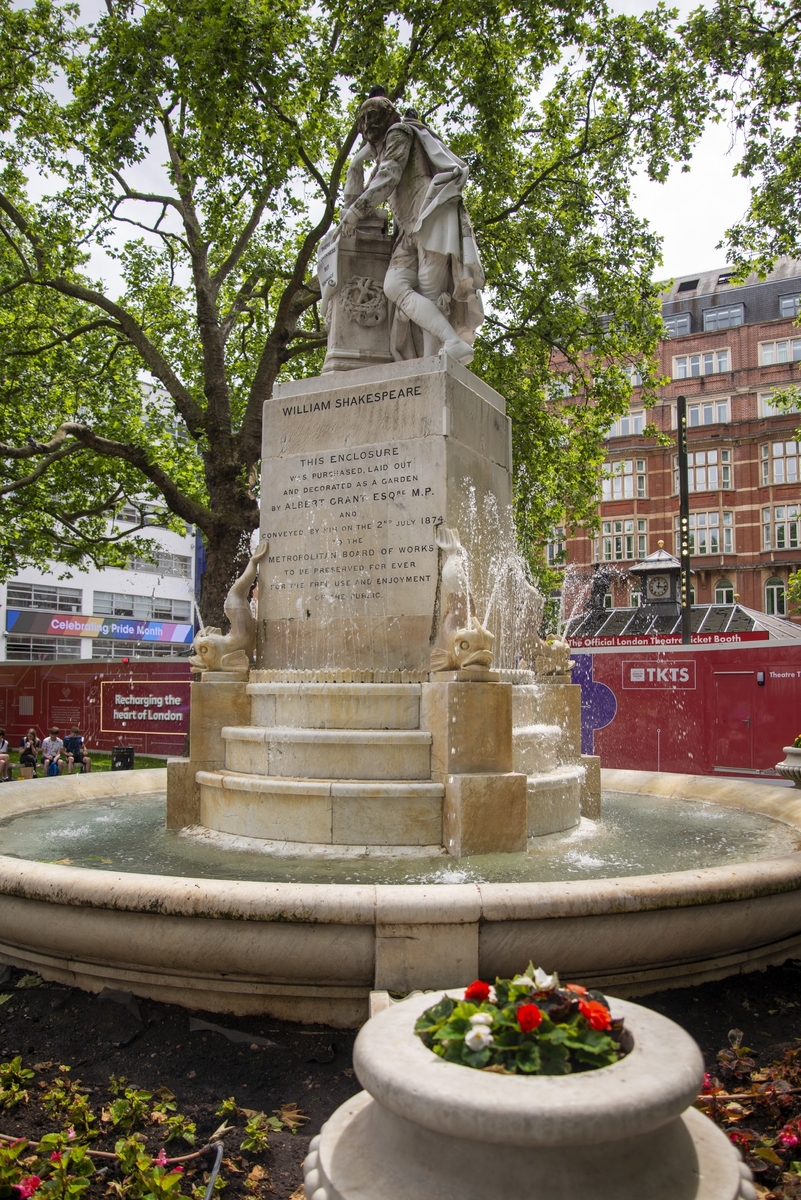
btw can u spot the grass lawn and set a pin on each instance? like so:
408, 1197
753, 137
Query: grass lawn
101, 761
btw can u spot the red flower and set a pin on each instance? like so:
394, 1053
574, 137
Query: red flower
528, 1017
596, 1014
55, 1156
576, 988
478, 991
27, 1185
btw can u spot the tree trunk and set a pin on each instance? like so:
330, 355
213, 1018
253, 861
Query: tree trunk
227, 556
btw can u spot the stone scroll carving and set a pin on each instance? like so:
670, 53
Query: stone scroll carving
232, 651
465, 641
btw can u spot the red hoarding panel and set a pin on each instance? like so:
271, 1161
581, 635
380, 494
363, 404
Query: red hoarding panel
693, 711
84, 694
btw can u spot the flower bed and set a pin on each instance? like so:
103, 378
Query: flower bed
528, 1025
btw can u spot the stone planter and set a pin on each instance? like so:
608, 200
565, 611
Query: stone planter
790, 767
425, 1129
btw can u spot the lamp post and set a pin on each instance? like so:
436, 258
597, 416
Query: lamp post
684, 523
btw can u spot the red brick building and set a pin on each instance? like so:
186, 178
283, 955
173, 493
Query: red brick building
730, 348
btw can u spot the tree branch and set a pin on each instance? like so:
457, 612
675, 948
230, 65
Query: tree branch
239, 246
85, 438
40, 469
147, 197
65, 338
24, 227
184, 402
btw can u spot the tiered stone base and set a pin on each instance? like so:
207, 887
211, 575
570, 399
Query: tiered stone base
446, 767
331, 764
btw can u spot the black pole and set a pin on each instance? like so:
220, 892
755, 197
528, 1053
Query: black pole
684, 523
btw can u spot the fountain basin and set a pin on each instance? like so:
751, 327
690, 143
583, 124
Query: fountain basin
314, 952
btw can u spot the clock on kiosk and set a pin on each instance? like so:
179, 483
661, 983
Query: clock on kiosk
658, 587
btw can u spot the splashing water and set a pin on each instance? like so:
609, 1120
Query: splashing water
505, 599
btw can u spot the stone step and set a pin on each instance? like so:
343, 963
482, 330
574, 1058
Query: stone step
336, 705
535, 748
554, 800
329, 754
367, 812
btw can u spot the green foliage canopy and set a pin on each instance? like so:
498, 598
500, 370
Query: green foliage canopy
168, 173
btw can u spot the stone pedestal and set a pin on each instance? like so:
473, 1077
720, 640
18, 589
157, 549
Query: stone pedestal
425, 1128
358, 313
471, 754
218, 699
358, 470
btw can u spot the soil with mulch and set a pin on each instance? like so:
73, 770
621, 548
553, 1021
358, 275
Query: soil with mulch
308, 1069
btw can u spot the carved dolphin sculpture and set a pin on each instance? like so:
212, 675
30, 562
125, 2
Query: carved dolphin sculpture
466, 642
218, 651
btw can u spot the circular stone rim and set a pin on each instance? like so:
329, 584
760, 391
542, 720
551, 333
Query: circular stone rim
605, 1105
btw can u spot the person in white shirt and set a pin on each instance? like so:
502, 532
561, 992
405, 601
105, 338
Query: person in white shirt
5, 758
51, 753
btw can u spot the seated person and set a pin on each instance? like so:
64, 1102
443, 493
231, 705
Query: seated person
51, 753
5, 757
29, 747
75, 751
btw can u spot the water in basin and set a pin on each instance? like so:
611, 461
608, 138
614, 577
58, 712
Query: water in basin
638, 836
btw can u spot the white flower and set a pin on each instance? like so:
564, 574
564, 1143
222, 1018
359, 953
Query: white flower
481, 1019
523, 981
492, 997
543, 981
479, 1038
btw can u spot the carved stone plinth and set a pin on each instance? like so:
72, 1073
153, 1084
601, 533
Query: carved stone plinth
358, 314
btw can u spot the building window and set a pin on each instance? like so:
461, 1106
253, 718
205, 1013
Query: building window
636, 598
710, 412
677, 325
607, 599
625, 539
789, 305
41, 649
165, 564
631, 423
626, 481
775, 598
724, 318
724, 592
787, 350
634, 375
111, 648
691, 366
779, 462
783, 533
560, 387
144, 608
710, 533
555, 547
769, 409
39, 595
707, 470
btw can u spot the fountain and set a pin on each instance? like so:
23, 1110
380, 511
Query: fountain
394, 797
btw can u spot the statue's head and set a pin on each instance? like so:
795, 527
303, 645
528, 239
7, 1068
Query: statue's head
375, 117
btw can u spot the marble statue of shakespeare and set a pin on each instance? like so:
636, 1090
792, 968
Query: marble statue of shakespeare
434, 275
